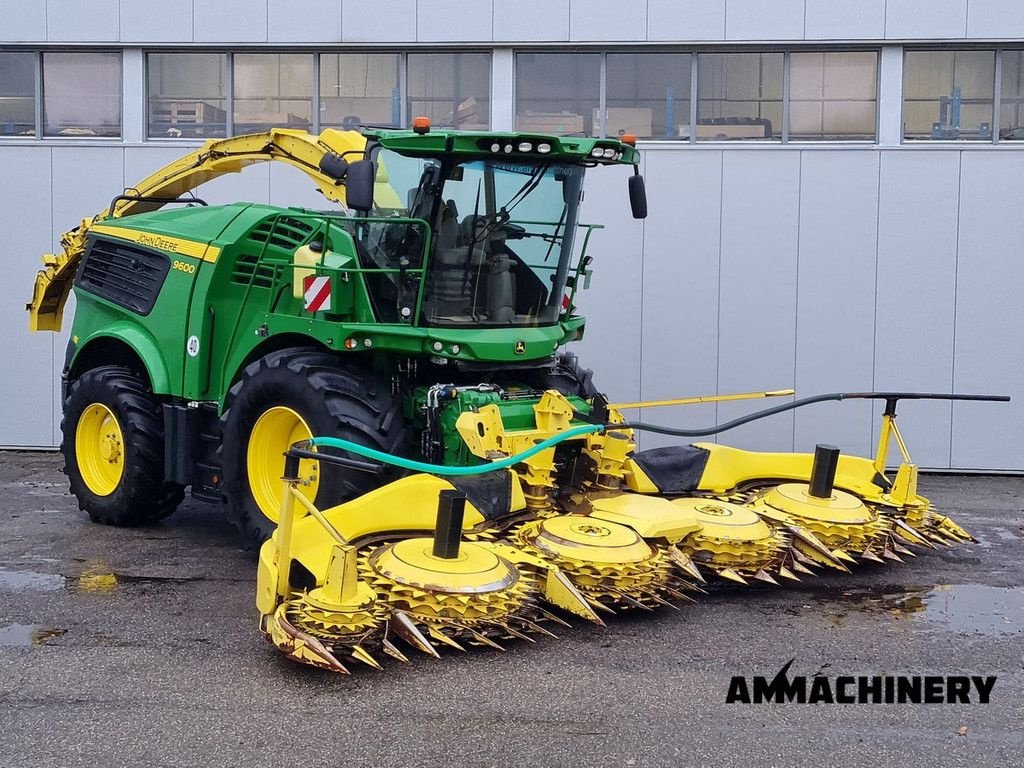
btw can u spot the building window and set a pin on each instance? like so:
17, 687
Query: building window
81, 94
739, 95
1011, 102
187, 95
17, 94
558, 92
452, 89
359, 89
272, 90
647, 95
948, 95
832, 96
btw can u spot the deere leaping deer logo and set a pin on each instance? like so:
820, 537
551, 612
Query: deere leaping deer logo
520, 347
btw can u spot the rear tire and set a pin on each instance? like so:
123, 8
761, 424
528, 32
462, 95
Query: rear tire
288, 396
113, 446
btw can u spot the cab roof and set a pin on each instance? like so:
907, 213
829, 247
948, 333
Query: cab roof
573, 149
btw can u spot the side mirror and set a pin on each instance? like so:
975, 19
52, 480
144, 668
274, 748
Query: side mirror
359, 185
637, 196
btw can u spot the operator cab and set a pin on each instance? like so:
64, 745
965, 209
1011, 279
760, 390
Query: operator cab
502, 235
500, 222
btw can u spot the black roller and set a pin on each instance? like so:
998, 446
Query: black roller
451, 508
823, 471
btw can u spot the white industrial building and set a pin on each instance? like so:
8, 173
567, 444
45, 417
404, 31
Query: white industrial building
836, 186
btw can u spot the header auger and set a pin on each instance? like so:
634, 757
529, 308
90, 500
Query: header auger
601, 537
452, 477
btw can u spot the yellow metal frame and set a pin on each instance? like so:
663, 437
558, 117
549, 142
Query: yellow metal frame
889, 430
214, 159
703, 399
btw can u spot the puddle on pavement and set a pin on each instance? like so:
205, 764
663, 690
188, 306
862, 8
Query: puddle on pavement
17, 581
963, 608
25, 635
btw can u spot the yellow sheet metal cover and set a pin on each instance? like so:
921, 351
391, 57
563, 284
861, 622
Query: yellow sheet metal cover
577, 537
841, 507
722, 520
475, 569
650, 516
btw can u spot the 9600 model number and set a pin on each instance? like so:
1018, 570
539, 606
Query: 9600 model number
181, 266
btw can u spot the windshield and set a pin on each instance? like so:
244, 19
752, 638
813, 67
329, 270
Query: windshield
503, 235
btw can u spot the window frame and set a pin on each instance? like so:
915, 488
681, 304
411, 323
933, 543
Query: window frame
402, 63
37, 95
996, 51
316, 53
562, 51
787, 96
41, 95
404, 77
229, 117
694, 52
997, 95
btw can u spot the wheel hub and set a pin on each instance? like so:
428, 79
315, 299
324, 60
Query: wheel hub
110, 448
99, 449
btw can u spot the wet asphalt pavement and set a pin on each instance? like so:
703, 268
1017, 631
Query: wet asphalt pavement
140, 647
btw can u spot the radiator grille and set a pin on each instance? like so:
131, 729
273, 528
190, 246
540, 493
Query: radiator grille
123, 274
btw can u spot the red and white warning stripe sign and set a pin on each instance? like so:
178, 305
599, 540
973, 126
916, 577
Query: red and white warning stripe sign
317, 293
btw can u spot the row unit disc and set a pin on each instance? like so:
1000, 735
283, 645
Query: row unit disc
611, 564
732, 538
841, 521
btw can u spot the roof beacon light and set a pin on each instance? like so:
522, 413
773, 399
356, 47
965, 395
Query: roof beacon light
628, 138
421, 124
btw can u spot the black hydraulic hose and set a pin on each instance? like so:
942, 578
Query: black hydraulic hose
891, 399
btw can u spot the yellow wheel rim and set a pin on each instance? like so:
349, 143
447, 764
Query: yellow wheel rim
275, 430
99, 449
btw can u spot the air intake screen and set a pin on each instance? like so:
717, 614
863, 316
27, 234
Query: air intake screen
123, 274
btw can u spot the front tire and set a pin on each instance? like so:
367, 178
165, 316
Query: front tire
113, 446
289, 396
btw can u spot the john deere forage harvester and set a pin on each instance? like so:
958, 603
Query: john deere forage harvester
450, 478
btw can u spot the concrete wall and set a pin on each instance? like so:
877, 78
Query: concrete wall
818, 267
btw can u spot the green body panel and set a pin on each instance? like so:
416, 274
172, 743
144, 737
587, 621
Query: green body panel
208, 322
201, 224
232, 315
99, 322
517, 413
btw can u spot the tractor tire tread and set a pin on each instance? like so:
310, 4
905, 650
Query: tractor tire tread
143, 496
359, 405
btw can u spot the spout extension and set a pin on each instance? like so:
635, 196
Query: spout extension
823, 471
451, 508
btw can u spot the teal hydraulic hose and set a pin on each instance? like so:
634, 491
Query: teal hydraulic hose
441, 469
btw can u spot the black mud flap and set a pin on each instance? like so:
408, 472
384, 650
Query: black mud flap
676, 469
491, 493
